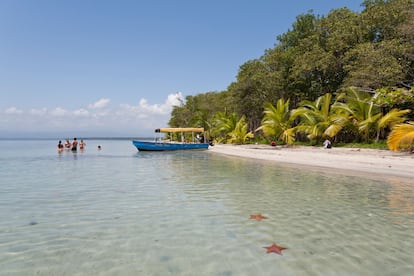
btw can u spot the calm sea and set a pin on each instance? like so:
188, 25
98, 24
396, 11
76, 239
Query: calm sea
122, 212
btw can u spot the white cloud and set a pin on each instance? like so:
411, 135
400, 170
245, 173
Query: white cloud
13, 110
38, 112
155, 108
175, 99
59, 112
99, 104
124, 119
81, 112
165, 108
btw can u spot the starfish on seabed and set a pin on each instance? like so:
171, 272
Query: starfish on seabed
274, 248
257, 217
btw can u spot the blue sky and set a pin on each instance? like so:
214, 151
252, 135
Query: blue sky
116, 68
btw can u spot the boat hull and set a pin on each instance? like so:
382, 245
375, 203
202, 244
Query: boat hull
162, 146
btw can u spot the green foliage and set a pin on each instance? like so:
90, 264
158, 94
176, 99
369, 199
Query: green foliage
375, 145
320, 118
252, 90
240, 134
393, 96
363, 113
368, 117
368, 55
199, 110
223, 124
277, 122
373, 65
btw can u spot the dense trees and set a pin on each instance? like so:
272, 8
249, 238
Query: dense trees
341, 73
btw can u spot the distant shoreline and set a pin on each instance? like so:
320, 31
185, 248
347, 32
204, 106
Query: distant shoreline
371, 163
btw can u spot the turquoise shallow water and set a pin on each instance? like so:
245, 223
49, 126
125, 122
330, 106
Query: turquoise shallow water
120, 212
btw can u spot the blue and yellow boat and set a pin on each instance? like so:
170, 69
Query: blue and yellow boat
190, 140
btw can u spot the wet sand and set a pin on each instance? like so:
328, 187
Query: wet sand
368, 162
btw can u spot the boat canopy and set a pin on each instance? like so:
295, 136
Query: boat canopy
180, 129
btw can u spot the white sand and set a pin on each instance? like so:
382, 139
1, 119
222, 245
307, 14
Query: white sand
378, 164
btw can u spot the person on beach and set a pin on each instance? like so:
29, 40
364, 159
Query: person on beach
74, 145
81, 145
327, 144
60, 146
67, 144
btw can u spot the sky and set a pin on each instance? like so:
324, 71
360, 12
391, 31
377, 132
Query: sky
83, 68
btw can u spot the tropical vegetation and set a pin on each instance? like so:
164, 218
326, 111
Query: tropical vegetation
344, 76
402, 137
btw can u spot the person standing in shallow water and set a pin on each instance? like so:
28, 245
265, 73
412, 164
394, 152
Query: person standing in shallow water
82, 145
74, 145
60, 146
67, 144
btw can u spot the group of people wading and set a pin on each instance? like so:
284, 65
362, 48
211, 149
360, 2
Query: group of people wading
71, 145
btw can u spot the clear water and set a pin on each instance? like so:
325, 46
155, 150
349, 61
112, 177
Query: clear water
120, 212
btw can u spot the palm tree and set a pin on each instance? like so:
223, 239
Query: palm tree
277, 122
321, 118
367, 116
401, 137
392, 118
203, 119
223, 124
367, 119
363, 113
240, 135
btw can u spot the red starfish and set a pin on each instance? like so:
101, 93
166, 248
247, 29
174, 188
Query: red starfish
257, 217
274, 248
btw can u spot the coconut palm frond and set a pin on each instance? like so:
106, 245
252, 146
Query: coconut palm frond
393, 117
240, 135
288, 136
276, 120
401, 137
333, 129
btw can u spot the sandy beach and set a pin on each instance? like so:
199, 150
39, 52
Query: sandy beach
378, 164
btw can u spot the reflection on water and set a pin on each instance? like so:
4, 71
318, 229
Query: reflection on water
400, 202
186, 213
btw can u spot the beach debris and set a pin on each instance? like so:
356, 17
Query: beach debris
274, 248
33, 223
257, 217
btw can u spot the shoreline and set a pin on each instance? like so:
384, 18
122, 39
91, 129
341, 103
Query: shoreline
370, 163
